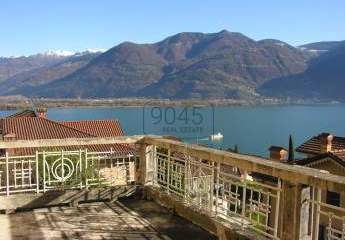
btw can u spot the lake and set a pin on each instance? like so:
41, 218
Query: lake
253, 129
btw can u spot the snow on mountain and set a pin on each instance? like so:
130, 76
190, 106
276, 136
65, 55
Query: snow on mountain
280, 44
96, 50
61, 53
313, 50
58, 53
66, 53
90, 51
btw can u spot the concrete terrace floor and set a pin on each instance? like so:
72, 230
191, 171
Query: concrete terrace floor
128, 219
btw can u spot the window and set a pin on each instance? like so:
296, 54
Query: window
333, 198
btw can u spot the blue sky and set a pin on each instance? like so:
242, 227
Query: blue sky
31, 26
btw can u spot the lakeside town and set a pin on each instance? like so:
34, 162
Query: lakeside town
18, 102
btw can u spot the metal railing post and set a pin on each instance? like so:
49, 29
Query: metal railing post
85, 171
7, 176
155, 165
276, 214
62, 170
212, 188
168, 177
30, 173
244, 196
198, 184
37, 174
217, 187
112, 181
44, 170
99, 170
80, 169
22, 171
14, 170
185, 180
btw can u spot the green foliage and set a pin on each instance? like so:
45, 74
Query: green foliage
291, 150
256, 218
79, 174
236, 149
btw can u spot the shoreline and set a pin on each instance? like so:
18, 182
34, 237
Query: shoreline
8, 103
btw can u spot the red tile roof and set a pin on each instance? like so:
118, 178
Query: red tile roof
30, 128
313, 145
100, 128
24, 113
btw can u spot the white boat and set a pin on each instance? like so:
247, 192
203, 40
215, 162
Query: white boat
216, 137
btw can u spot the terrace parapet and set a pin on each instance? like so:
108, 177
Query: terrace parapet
250, 195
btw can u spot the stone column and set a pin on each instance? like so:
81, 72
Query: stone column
305, 214
290, 211
145, 172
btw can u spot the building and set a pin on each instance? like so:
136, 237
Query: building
326, 153
116, 160
277, 153
33, 125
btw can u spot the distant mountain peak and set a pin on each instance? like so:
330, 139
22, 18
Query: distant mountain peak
221, 64
224, 31
58, 53
186, 65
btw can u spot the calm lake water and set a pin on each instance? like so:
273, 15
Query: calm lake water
253, 129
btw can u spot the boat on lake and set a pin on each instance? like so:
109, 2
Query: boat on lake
216, 137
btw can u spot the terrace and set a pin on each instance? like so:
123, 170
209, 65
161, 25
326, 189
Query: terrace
228, 195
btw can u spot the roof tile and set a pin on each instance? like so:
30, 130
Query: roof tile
31, 128
313, 145
100, 128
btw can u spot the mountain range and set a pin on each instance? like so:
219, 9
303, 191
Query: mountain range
323, 79
54, 68
186, 65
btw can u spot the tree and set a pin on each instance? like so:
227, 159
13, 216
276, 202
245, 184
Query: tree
236, 149
233, 150
291, 150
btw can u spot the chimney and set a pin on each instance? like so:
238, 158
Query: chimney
9, 137
277, 153
326, 142
42, 112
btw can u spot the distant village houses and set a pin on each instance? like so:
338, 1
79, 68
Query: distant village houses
325, 152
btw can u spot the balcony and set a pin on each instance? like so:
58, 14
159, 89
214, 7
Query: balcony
231, 196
